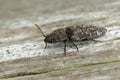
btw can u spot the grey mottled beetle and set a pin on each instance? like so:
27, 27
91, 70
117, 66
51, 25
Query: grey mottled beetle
73, 34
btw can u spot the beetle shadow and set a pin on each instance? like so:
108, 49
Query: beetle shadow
79, 44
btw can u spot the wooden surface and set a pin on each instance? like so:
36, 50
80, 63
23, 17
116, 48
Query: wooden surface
22, 54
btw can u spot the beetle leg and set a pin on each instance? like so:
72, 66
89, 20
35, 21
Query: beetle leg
75, 45
45, 45
64, 48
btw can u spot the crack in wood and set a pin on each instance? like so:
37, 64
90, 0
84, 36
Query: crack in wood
56, 69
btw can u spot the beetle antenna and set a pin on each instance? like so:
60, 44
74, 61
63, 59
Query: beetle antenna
40, 30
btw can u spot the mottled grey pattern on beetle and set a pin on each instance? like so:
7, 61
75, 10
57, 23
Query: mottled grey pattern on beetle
72, 34
84, 32
58, 35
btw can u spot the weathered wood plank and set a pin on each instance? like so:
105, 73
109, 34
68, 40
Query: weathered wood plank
22, 54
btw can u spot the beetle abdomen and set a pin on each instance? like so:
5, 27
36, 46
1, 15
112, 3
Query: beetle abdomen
84, 32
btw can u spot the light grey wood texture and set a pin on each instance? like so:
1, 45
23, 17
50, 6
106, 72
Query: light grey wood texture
22, 53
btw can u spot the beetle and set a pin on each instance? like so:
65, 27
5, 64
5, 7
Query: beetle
73, 34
